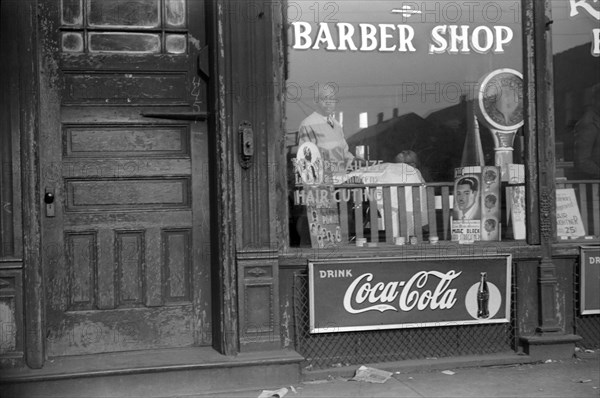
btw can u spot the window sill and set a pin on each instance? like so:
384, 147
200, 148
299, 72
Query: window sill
518, 249
570, 248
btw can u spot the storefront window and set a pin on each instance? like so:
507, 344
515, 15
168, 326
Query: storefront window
397, 115
576, 59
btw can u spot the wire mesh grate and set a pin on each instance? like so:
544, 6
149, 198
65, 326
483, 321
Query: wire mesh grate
325, 350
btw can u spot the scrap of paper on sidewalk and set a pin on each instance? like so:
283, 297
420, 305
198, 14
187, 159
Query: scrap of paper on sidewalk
371, 375
273, 393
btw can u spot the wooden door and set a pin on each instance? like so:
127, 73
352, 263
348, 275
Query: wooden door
124, 161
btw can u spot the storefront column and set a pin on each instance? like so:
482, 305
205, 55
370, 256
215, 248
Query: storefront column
255, 82
550, 339
247, 117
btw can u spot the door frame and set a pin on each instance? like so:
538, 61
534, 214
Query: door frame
33, 282
247, 43
225, 327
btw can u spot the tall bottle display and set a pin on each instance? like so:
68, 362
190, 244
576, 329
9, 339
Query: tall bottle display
483, 297
472, 154
476, 211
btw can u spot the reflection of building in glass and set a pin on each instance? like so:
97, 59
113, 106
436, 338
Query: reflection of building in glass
437, 139
572, 95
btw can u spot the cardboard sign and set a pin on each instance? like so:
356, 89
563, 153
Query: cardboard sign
515, 207
308, 165
476, 209
490, 203
314, 190
568, 217
391, 293
324, 223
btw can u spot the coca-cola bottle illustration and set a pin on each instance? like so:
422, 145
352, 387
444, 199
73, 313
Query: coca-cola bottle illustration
483, 297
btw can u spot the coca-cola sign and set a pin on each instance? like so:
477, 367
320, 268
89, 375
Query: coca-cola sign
390, 293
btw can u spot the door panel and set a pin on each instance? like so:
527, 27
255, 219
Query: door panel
127, 250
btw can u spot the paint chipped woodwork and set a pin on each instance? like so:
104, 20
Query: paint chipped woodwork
11, 312
25, 18
224, 281
132, 192
530, 124
258, 299
538, 15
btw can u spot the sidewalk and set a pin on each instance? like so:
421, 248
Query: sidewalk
570, 378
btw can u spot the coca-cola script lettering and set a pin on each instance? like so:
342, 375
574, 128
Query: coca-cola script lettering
383, 296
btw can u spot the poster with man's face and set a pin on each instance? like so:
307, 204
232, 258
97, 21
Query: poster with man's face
467, 196
476, 209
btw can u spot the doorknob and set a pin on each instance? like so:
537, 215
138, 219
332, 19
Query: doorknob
49, 201
49, 197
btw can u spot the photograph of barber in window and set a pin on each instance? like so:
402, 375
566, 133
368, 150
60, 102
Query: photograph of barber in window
466, 199
322, 129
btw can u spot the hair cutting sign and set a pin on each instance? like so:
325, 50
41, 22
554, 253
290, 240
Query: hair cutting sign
393, 293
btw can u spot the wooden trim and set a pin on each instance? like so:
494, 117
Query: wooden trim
517, 249
530, 126
33, 286
277, 157
258, 270
549, 321
544, 82
10, 192
223, 229
253, 79
245, 201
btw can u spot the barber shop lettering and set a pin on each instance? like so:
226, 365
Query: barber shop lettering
411, 295
454, 39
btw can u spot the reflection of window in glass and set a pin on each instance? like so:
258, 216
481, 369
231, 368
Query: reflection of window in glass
113, 26
123, 13
576, 41
71, 12
401, 80
123, 42
72, 42
175, 10
176, 44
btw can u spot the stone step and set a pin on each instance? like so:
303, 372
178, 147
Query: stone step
153, 374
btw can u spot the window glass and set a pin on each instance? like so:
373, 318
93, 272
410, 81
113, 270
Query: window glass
576, 59
121, 26
123, 13
389, 94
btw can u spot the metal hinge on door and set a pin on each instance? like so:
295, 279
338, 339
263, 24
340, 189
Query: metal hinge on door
203, 64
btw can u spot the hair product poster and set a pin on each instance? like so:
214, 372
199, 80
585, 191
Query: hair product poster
476, 209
